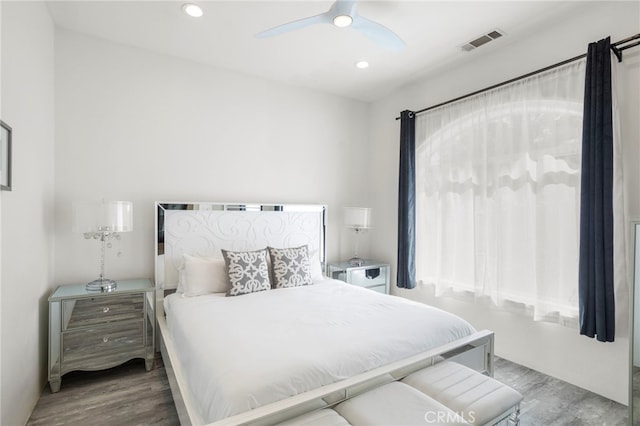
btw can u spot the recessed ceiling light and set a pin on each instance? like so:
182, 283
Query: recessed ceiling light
192, 10
342, 21
362, 64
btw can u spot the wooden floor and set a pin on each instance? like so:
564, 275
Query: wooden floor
549, 401
124, 395
128, 395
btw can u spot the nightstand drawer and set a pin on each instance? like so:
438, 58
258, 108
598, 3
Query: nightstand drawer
97, 341
98, 310
369, 277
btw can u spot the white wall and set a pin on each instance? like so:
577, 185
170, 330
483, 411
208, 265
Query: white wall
135, 125
552, 349
636, 295
26, 213
1, 115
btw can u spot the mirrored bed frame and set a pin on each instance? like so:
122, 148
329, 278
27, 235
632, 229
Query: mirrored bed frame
203, 228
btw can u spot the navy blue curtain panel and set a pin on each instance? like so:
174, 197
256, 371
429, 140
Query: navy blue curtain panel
407, 202
597, 304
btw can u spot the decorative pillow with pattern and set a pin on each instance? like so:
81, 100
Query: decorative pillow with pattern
247, 270
290, 266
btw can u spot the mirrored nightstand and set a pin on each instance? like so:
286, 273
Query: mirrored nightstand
372, 274
90, 330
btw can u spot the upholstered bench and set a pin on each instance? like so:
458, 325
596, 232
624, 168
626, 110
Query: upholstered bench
396, 404
478, 398
447, 393
393, 404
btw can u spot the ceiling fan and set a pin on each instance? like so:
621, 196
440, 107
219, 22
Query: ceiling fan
343, 14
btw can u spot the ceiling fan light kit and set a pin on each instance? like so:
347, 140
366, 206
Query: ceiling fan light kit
342, 21
343, 14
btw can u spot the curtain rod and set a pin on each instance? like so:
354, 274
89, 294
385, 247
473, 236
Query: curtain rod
616, 47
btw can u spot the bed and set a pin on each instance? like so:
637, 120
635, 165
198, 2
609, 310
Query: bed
267, 356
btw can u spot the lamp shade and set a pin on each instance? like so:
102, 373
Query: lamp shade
357, 217
92, 216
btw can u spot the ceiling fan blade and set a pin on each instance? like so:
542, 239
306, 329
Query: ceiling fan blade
378, 33
295, 25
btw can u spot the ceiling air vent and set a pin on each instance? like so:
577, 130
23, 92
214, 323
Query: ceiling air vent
483, 39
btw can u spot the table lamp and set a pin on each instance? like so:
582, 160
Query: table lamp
102, 221
358, 219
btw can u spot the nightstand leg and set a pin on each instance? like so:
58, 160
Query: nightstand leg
54, 385
148, 364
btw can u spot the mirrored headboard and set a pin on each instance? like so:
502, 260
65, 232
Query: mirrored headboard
202, 229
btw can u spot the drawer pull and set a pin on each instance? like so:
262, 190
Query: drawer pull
105, 309
105, 339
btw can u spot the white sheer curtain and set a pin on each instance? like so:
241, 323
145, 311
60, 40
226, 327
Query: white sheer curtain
498, 193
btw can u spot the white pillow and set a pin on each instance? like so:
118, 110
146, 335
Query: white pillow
203, 275
315, 268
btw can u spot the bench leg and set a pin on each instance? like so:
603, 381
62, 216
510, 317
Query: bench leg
514, 418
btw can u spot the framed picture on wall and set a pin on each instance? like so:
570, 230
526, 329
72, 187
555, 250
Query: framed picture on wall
5, 156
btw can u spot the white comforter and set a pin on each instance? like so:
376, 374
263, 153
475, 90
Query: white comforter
246, 351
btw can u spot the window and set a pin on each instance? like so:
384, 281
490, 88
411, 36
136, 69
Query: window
498, 193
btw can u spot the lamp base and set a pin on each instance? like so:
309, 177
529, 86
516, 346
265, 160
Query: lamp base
102, 284
356, 261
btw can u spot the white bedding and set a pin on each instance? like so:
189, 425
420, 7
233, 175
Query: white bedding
243, 352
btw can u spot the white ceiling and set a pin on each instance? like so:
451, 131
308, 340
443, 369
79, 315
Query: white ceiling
320, 57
